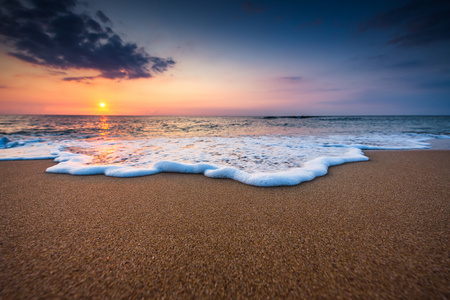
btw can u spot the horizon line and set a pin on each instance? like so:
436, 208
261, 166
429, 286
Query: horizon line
244, 116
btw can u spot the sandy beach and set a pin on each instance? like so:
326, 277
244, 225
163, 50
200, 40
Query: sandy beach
376, 229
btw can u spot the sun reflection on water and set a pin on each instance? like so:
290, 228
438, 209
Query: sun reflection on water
106, 153
104, 126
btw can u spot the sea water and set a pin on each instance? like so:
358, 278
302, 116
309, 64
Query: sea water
260, 151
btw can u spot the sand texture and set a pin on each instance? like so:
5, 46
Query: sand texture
376, 229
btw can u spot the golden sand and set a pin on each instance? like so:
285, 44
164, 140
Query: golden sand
376, 229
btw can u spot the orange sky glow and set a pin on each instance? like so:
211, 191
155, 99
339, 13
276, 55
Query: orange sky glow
35, 90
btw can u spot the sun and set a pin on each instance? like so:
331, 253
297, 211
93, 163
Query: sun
102, 104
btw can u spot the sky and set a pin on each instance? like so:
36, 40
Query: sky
225, 57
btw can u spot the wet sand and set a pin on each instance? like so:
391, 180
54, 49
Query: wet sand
376, 229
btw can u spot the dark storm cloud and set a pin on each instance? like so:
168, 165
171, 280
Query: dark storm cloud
102, 17
418, 22
84, 79
53, 72
49, 33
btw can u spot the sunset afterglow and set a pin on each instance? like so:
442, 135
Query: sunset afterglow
226, 58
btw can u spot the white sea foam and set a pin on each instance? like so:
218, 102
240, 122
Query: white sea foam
80, 164
259, 161
25, 149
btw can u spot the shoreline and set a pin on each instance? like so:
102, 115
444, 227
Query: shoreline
372, 229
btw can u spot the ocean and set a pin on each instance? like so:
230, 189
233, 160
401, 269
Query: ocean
260, 151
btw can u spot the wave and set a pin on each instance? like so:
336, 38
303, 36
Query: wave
253, 150
77, 164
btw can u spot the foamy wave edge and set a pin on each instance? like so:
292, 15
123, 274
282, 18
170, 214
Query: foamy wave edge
76, 165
